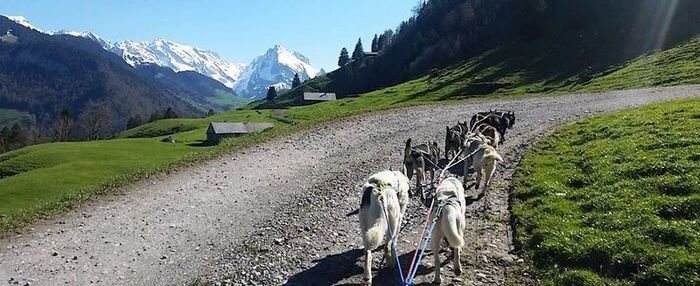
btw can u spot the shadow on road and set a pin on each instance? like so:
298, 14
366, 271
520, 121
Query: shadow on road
329, 270
334, 268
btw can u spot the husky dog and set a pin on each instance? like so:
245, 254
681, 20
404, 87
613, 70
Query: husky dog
483, 159
450, 224
420, 159
499, 119
453, 140
462, 126
510, 116
390, 189
491, 133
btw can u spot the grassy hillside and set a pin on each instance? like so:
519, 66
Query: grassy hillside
46, 179
679, 65
615, 200
543, 41
499, 72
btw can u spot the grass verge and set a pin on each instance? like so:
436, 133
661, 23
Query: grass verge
615, 200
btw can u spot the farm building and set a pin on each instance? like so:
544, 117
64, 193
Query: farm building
220, 130
319, 96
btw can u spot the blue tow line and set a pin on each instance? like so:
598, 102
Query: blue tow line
393, 246
428, 236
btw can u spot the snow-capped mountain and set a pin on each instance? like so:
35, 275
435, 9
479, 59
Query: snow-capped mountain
179, 57
89, 35
274, 68
24, 22
161, 52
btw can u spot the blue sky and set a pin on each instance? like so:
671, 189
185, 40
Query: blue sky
237, 30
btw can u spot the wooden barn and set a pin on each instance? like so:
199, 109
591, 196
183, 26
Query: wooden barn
220, 130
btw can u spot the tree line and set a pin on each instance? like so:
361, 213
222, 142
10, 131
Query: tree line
580, 35
94, 123
379, 43
272, 91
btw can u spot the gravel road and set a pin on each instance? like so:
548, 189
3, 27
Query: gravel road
285, 211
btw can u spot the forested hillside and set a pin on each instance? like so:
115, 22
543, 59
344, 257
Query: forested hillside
553, 41
199, 90
44, 75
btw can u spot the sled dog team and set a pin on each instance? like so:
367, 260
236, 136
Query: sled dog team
386, 194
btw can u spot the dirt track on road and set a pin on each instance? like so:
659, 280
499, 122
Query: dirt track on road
284, 211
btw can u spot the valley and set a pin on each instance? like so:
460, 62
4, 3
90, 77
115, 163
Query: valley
134, 159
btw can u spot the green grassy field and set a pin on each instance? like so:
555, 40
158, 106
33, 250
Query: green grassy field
615, 200
46, 179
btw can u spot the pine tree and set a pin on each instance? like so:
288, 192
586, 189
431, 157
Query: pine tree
14, 137
359, 52
271, 93
296, 81
344, 58
385, 39
381, 42
210, 112
170, 113
5, 132
4, 140
375, 44
15, 132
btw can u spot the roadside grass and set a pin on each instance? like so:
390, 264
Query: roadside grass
47, 179
614, 200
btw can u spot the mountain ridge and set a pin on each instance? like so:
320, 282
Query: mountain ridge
276, 67
42, 74
179, 57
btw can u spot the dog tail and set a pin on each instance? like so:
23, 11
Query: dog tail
436, 150
447, 138
407, 149
452, 232
494, 156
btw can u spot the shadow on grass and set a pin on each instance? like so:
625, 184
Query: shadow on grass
200, 143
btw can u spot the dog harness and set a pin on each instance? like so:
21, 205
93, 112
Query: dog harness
452, 199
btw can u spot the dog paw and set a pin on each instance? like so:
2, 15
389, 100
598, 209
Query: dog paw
437, 281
